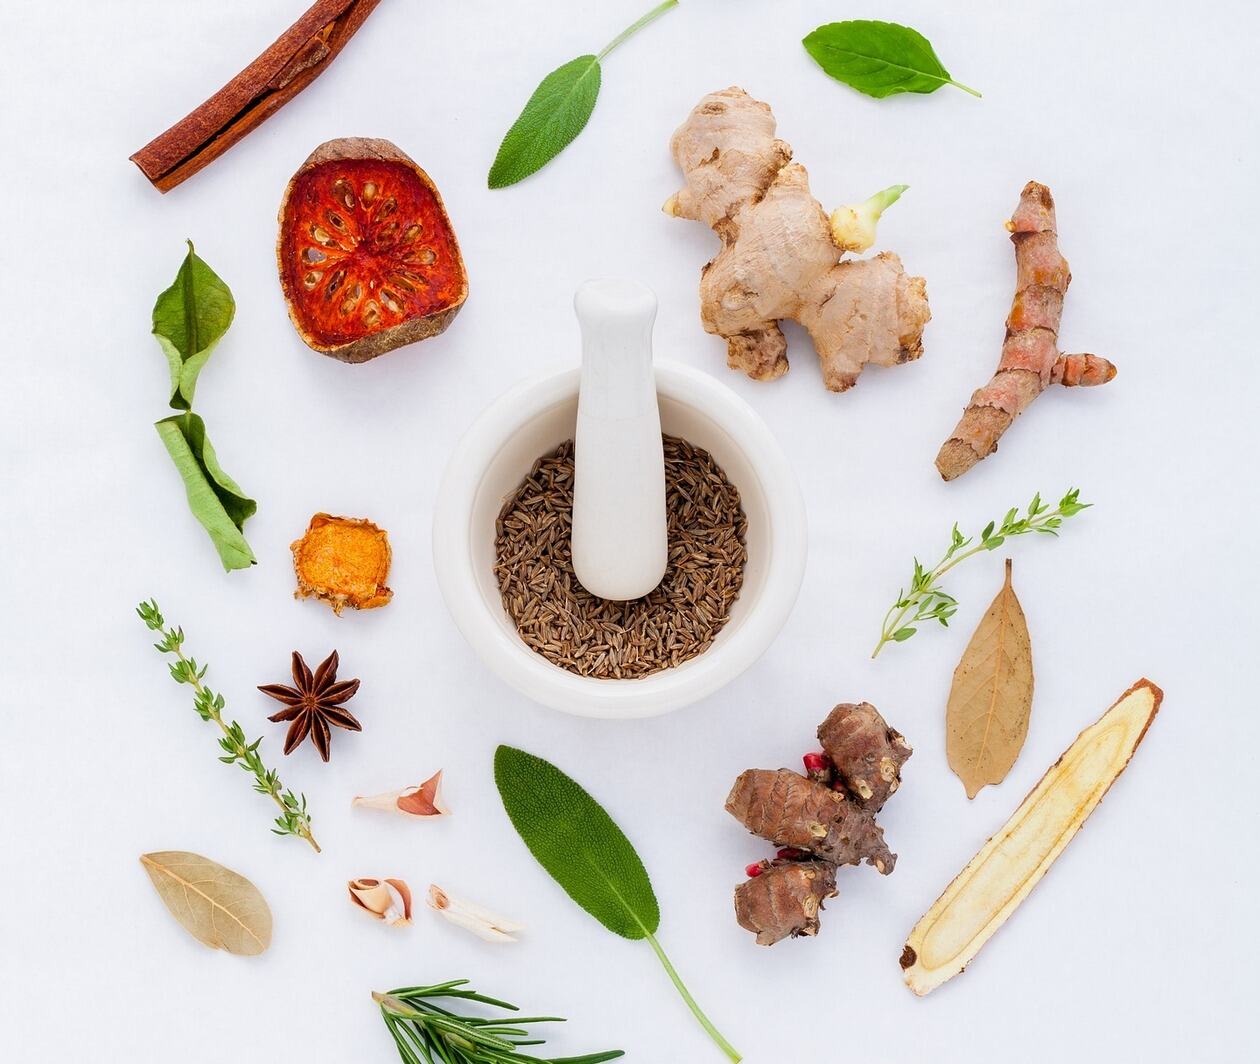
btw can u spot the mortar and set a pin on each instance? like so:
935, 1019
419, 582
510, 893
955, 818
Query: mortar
532, 419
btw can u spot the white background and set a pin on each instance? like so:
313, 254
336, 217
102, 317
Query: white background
1140, 945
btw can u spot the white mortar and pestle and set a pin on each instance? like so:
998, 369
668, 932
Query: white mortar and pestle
615, 408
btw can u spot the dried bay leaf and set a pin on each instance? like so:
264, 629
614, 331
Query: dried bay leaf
217, 906
986, 720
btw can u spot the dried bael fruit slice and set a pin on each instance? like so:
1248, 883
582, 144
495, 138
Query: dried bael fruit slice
368, 260
344, 561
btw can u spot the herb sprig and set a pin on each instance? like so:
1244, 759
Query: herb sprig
427, 1033
926, 601
293, 818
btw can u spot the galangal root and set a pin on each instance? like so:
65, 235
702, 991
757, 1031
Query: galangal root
821, 820
1012, 862
780, 253
1030, 353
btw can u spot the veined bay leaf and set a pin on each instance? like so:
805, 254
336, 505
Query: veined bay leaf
577, 842
217, 906
986, 720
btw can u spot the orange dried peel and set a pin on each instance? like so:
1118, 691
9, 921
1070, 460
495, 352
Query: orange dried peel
344, 561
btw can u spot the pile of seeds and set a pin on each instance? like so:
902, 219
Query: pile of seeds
570, 627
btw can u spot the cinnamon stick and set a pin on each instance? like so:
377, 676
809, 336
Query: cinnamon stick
296, 59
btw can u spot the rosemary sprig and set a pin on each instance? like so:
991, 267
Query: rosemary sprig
293, 818
926, 601
427, 1033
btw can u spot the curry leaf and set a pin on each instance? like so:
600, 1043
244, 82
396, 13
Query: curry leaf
216, 906
557, 111
584, 850
189, 318
215, 499
879, 58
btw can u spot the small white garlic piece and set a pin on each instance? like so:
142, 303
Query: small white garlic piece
423, 800
472, 917
383, 899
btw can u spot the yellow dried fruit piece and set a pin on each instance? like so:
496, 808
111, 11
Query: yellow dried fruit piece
1012, 862
344, 561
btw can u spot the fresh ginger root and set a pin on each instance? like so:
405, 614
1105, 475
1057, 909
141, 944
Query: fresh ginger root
1030, 353
823, 819
780, 253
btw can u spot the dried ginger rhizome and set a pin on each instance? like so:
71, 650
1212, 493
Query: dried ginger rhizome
344, 561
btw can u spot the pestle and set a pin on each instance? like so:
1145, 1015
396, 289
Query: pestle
620, 538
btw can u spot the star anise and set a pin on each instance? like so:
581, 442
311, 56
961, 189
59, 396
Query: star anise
313, 703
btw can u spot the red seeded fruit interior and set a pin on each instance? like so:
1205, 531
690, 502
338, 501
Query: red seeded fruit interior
365, 247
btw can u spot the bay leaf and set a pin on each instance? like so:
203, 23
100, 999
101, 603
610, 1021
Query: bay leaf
217, 906
986, 720
189, 319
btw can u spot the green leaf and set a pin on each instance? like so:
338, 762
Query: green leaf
879, 58
902, 634
216, 500
556, 113
577, 842
189, 318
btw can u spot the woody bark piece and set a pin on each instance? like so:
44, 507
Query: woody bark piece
1030, 353
1012, 862
296, 59
788, 809
784, 900
865, 751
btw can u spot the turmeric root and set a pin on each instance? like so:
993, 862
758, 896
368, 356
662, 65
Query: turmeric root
1030, 353
780, 253
824, 819
783, 898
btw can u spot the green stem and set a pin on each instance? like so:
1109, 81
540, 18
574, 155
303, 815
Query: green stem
304, 829
731, 1052
965, 88
634, 28
887, 634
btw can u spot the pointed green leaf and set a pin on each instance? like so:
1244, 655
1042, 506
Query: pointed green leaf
188, 320
879, 58
555, 114
577, 842
216, 500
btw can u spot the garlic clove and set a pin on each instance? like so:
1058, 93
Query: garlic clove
483, 923
383, 899
423, 800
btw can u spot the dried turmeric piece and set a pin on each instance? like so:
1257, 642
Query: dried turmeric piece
1010, 864
344, 561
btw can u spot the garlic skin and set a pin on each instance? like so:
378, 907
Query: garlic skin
383, 899
853, 228
483, 923
423, 800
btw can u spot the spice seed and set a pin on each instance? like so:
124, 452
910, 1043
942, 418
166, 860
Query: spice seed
559, 619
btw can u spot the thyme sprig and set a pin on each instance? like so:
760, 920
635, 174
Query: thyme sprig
926, 601
427, 1033
293, 818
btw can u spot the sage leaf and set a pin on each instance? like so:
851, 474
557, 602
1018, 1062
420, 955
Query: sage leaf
577, 842
216, 500
986, 720
556, 113
879, 58
217, 906
189, 319
584, 850
558, 110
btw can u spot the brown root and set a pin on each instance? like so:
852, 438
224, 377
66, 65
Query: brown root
867, 754
784, 900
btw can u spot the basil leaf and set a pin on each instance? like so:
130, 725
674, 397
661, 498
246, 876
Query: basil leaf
216, 500
188, 320
556, 113
577, 842
879, 58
